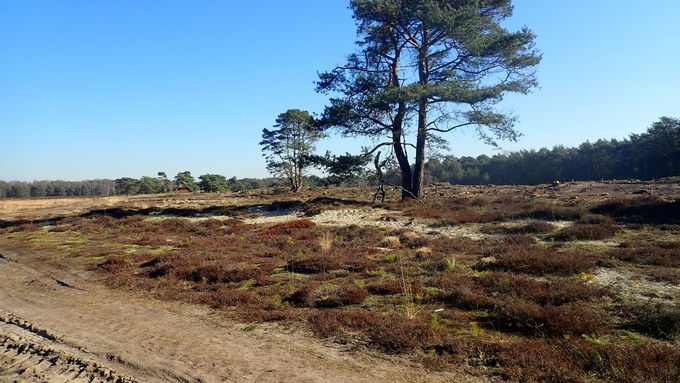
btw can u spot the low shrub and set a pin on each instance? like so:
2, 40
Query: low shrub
150, 240
576, 361
328, 323
470, 299
168, 226
536, 260
555, 291
384, 287
412, 240
596, 219
585, 232
538, 361
328, 295
662, 274
27, 227
218, 273
650, 362
392, 333
533, 227
655, 319
212, 224
641, 209
551, 321
459, 210
112, 264
226, 297
551, 212
396, 333
644, 253
289, 227
317, 263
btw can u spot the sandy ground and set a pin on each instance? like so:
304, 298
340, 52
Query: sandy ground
637, 288
36, 209
382, 218
56, 326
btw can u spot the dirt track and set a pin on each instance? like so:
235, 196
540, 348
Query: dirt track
56, 326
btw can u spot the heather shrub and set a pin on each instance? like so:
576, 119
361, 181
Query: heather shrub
396, 333
150, 240
550, 213
552, 321
596, 219
537, 361
536, 260
112, 264
26, 227
467, 298
585, 232
644, 253
289, 227
641, 209
533, 227
327, 323
317, 263
218, 273
662, 274
384, 287
328, 295
555, 291
655, 319
226, 297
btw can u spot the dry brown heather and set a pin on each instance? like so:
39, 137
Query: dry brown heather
521, 300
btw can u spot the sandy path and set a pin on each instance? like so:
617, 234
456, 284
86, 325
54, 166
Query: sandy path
57, 326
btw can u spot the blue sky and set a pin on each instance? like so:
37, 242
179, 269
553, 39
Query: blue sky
106, 89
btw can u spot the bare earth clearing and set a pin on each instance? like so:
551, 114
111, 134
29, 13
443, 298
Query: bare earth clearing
61, 320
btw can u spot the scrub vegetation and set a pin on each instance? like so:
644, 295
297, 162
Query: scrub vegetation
520, 300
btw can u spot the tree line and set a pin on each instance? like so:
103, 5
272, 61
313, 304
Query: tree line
650, 155
144, 185
646, 156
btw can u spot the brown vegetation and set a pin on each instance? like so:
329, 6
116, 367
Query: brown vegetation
517, 302
586, 232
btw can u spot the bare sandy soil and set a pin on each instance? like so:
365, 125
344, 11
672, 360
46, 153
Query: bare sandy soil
56, 326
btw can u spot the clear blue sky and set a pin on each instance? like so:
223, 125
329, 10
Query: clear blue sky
106, 89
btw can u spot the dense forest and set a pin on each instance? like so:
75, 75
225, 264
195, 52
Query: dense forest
650, 155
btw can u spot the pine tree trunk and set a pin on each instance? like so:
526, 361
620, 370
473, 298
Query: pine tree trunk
404, 166
405, 169
419, 168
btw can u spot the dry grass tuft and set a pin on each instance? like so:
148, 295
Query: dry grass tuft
391, 242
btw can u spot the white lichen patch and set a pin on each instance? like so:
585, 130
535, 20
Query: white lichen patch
635, 287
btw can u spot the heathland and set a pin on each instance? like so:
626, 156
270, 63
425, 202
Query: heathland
577, 282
